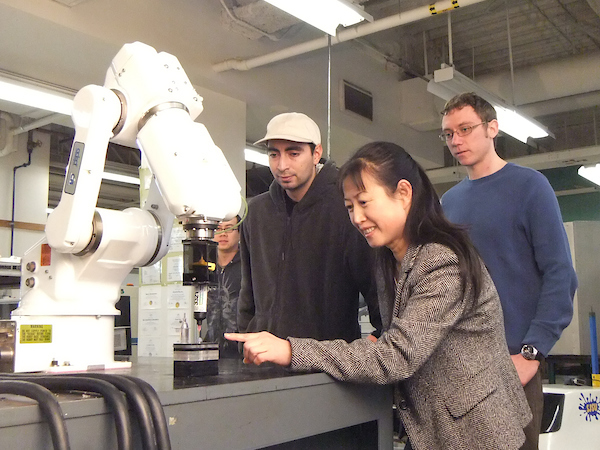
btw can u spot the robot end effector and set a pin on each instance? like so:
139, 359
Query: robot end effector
191, 173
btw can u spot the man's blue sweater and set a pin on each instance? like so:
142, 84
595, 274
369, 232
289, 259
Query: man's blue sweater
514, 220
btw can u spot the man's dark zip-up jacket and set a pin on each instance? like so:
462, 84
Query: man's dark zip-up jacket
302, 273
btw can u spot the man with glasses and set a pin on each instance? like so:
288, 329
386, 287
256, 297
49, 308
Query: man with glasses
221, 314
514, 220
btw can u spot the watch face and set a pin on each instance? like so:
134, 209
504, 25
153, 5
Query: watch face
529, 352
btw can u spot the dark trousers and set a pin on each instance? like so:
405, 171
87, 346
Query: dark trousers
535, 398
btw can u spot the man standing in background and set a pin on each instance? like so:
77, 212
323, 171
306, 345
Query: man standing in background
221, 314
514, 220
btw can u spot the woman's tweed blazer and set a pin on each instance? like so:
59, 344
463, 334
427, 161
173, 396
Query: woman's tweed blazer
455, 384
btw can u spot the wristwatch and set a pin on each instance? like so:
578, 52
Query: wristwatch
530, 353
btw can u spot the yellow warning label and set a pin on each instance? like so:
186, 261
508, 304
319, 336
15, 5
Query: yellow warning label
35, 334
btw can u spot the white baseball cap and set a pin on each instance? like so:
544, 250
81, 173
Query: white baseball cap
296, 127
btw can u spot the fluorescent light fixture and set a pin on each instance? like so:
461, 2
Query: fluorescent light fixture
325, 15
35, 95
591, 173
448, 82
256, 156
120, 178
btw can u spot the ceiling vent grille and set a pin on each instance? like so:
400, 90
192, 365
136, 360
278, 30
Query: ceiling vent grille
357, 100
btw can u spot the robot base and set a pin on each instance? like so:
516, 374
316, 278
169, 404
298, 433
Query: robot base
64, 344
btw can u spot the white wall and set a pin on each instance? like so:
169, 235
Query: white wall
31, 190
584, 241
225, 119
308, 94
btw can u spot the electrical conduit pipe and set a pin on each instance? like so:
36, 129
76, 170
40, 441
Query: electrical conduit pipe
344, 35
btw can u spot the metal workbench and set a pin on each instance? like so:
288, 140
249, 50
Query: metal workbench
244, 407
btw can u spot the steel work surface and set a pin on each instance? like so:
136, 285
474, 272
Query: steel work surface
244, 407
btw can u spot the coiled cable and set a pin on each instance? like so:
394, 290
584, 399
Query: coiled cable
158, 414
112, 396
138, 403
49, 406
142, 398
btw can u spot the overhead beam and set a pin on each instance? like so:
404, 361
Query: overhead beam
346, 34
540, 161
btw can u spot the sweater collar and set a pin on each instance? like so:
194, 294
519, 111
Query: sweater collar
491, 177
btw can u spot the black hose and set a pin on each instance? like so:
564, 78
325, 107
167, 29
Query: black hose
48, 405
137, 402
112, 396
158, 414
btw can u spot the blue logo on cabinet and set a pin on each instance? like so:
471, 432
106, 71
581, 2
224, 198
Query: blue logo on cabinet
590, 407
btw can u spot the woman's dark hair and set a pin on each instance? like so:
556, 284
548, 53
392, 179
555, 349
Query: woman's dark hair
389, 163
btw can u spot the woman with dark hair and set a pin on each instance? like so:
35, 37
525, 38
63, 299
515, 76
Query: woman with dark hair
388, 164
443, 347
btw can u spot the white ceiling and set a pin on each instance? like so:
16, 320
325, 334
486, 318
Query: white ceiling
554, 43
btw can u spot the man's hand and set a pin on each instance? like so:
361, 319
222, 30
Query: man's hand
263, 347
525, 368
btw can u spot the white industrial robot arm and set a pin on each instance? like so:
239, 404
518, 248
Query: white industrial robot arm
147, 100
96, 112
71, 283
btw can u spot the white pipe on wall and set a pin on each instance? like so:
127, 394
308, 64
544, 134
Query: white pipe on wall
345, 35
52, 118
6, 134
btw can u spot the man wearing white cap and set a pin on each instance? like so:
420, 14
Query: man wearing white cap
303, 263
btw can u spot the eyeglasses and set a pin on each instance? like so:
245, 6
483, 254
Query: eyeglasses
221, 230
447, 135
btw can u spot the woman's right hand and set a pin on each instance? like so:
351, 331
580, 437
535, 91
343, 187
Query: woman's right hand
263, 347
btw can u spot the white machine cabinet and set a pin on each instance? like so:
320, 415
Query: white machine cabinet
573, 422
